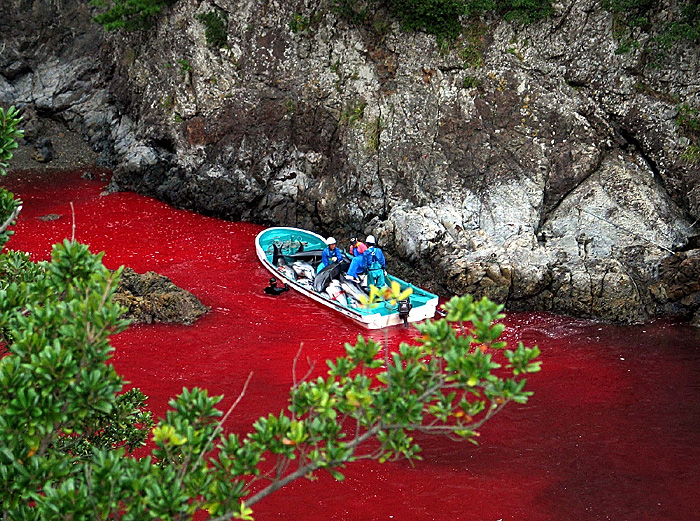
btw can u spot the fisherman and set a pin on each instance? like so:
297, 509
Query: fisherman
330, 254
374, 263
357, 248
272, 289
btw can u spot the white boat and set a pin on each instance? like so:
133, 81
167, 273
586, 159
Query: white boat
289, 252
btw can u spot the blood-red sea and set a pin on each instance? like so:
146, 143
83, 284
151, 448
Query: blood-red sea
611, 433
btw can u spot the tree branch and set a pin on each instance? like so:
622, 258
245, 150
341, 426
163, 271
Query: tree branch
10, 219
220, 425
302, 471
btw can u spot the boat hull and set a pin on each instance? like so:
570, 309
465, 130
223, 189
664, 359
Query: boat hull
287, 241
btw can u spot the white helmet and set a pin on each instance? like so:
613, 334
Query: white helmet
330, 241
370, 239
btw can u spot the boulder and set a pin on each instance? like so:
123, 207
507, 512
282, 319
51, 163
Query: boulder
150, 297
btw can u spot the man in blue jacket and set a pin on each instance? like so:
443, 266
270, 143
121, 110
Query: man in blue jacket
330, 254
375, 263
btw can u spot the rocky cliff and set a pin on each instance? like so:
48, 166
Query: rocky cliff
544, 166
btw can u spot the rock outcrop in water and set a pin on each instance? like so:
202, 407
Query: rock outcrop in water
150, 297
536, 165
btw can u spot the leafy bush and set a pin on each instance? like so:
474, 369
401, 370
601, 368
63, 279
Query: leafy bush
470, 82
522, 11
9, 134
185, 66
354, 11
354, 112
636, 13
636, 7
65, 429
9, 209
129, 15
688, 119
687, 28
438, 17
215, 28
16, 271
17, 267
442, 18
299, 23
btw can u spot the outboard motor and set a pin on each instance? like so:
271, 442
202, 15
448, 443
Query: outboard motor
404, 309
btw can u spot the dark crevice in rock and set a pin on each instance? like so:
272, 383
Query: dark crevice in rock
545, 214
692, 243
637, 146
164, 143
564, 18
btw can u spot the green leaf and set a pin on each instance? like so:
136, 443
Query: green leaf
336, 474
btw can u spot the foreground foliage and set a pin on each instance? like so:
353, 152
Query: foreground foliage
9, 134
66, 429
66, 424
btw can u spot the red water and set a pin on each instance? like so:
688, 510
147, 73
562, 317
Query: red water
612, 432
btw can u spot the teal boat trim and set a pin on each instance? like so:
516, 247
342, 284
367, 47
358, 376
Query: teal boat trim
294, 241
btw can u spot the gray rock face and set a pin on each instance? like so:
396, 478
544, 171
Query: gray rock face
533, 165
50, 65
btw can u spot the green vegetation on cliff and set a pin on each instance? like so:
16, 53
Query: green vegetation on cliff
636, 15
442, 18
130, 15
